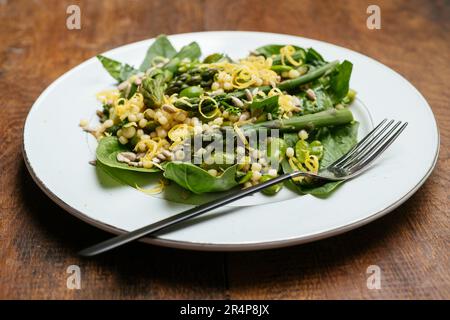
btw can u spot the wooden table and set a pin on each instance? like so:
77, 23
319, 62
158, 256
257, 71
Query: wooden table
38, 240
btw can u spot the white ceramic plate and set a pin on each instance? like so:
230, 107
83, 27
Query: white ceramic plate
57, 152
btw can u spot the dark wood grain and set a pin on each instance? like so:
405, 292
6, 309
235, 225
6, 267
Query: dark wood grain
38, 240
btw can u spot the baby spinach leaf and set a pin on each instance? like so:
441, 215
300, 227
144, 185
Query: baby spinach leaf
143, 181
231, 109
340, 81
191, 51
269, 50
132, 178
268, 105
320, 191
161, 47
107, 150
290, 139
313, 57
172, 65
336, 142
323, 100
197, 180
117, 70
216, 57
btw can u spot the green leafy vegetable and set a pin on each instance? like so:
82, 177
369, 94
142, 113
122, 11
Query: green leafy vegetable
313, 57
268, 105
290, 139
140, 180
197, 180
331, 130
246, 177
323, 100
132, 178
191, 51
107, 150
336, 142
231, 109
320, 191
270, 50
117, 70
216, 57
340, 81
161, 47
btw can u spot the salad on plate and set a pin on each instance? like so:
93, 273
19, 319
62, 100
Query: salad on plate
216, 123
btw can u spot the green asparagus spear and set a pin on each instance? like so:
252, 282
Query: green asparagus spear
330, 117
193, 77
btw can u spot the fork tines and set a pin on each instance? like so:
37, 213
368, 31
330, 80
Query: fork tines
371, 146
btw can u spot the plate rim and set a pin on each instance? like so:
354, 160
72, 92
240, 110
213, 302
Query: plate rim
249, 246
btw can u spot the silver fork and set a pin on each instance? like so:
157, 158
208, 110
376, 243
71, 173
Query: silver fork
350, 165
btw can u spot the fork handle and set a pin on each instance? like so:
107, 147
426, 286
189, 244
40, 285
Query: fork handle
183, 216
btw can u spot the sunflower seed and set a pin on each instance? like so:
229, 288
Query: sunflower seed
248, 95
237, 102
168, 108
126, 157
311, 94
